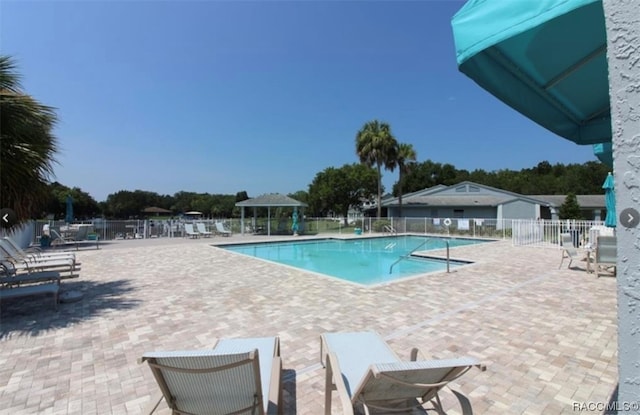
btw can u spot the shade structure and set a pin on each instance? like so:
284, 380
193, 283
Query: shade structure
544, 58
610, 201
68, 217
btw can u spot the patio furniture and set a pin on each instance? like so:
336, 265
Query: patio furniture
202, 230
31, 290
606, 258
33, 253
370, 378
190, 232
237, 376
569, 250
221, 230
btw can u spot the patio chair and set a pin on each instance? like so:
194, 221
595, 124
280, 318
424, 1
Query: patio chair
569, 250
33, 253
202, 230
370, 378
606, 258
221, 230
190, 232
237, 376
39, 264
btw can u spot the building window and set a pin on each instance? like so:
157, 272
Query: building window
474, 189
458, 213
461, 189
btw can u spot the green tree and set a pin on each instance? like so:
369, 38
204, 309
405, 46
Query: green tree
84, 206
376, 146
406, 155
570, 209
27, 148
338, 189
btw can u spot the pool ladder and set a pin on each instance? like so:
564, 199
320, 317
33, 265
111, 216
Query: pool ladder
414, 250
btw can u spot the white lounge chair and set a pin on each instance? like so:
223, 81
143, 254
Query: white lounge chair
569, 250
10, 245
239, 376
369, 377
190, 232
221, 230
202, 230
606, 256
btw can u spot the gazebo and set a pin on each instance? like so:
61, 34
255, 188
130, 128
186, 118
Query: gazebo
268, 201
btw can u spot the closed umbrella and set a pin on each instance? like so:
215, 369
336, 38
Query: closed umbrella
69, 213
610, 201
544, 58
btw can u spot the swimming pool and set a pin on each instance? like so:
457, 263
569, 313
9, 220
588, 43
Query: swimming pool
364, 260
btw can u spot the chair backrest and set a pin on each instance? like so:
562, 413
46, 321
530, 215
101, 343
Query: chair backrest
606, 250
407, 380
220, 227
188, 228
208, 382
201, 228
567, 244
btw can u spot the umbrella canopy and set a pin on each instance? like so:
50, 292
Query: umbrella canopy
68, 217
544, 58
610, 201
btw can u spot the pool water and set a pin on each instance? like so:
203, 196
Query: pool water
363, 261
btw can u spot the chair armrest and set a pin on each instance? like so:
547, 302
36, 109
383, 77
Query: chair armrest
275, 387
335, 380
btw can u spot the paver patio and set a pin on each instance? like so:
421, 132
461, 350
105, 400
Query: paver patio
547, 336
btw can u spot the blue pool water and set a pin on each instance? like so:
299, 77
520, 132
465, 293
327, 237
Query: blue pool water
364, 261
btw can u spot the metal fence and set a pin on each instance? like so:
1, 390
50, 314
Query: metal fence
546, 233
540, 233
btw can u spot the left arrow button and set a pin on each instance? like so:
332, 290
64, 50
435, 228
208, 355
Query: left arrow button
8, 217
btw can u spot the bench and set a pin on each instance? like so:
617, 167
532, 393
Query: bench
29, 290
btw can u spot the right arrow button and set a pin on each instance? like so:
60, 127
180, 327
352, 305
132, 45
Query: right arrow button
629, 218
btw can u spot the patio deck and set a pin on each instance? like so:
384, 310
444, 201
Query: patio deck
547, 336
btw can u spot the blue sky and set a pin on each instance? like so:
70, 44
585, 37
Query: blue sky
225, 96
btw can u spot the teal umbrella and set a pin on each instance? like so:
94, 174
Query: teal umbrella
544, 58
604, 152
294, 226
68, 217
609, 201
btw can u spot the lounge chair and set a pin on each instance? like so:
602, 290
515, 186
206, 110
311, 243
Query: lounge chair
370, 378
190, 232
59, 240
30, 290
221, 230
39, 264
10, 245
238, 376
569, 250
202, 230
606, 256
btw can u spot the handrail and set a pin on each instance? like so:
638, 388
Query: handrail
415, 249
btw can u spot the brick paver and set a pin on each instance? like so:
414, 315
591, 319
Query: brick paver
547, 336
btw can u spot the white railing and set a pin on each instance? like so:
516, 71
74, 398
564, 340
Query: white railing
546, 233
538, 233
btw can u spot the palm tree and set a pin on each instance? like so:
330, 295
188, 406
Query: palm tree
406, 153
28, 145
376, 146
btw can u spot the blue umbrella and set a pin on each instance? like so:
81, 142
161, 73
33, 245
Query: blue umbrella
610, 201
544, 58
69, 215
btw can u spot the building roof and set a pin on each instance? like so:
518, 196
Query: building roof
271, 200
585, 201
462, 200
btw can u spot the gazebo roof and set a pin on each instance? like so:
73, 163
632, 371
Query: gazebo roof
270, 200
